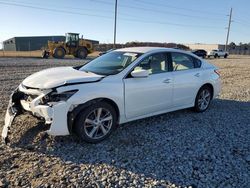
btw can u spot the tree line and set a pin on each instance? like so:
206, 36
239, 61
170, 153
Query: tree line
105, 47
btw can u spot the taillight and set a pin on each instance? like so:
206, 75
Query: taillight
217, 72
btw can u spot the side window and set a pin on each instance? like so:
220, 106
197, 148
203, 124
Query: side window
155, 64
182, 61
197, 62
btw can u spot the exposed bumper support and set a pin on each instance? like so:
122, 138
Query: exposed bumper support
14, 109
53, 113
9, 118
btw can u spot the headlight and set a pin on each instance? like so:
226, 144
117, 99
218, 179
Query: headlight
56, 97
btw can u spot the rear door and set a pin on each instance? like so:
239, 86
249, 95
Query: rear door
187, 78
152, 94
220, 52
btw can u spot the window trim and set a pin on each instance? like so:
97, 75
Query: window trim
167, 58
193, 60
195, 64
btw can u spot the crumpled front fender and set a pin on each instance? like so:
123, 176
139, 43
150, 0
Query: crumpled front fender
59, 124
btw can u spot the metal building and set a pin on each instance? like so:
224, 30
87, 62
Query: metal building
32, 43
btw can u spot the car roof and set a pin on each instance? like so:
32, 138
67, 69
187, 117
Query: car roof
148, 49
199, 50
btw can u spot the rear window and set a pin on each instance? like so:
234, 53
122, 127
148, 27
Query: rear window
197, 62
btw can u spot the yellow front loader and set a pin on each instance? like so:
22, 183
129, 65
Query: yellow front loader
79, 48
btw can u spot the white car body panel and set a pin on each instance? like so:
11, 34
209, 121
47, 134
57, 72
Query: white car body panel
135, 98
99, 90
187, 84
55, 77
147, 95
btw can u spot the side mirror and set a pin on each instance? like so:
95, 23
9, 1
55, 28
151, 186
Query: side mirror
140, 73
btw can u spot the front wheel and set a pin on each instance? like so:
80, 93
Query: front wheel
82, 53
203, 99
225, 56
96, 122
59, 53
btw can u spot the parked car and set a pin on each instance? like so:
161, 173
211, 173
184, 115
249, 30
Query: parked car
200, 53
118, 87
217, 54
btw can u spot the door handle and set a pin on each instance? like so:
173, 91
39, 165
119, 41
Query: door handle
197, 75
167, 81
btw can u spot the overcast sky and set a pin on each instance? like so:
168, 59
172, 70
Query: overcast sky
180, 21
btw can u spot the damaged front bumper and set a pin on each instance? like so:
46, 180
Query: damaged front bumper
12, 111
25, 99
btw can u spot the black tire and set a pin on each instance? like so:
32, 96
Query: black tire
83, 128
59, 53
82, 53
225, 56
198, 107
216, 55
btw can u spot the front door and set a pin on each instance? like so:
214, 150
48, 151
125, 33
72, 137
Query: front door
152, 94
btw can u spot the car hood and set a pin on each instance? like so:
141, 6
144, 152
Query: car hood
54, 77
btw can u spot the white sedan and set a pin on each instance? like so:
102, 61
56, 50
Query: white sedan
118, 87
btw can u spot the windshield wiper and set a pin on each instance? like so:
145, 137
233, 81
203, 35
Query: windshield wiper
101, 74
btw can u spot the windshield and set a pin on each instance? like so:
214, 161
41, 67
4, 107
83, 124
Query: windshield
110, 63
71, 37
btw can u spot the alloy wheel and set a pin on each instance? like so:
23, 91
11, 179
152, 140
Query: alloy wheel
204, 99
98, 123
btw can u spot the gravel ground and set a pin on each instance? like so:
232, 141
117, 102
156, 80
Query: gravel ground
178, 149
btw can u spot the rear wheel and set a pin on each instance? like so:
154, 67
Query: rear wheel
225, 56
82, 53
96, 122
59, 53
203, 99
216, 55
